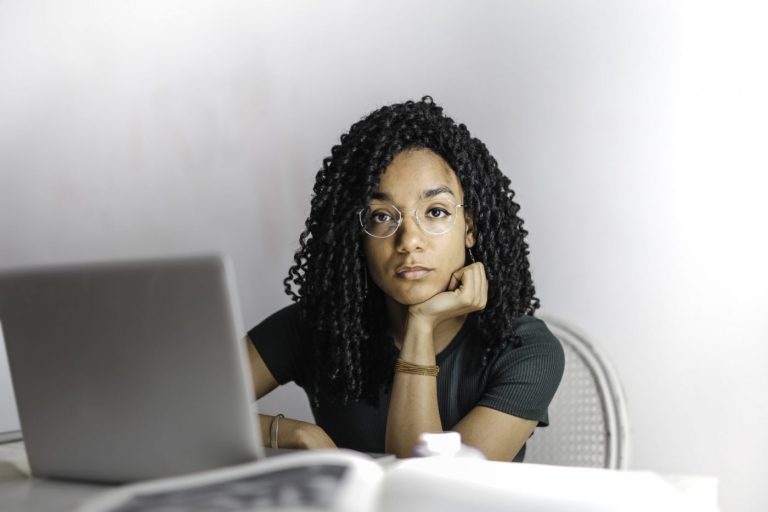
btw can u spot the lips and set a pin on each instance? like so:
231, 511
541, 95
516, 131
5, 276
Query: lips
412, 272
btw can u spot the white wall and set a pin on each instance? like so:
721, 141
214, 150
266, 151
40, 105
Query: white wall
634, 134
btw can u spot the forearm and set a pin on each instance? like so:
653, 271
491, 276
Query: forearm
413, 407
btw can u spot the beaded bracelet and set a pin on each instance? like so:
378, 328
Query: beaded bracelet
416, 369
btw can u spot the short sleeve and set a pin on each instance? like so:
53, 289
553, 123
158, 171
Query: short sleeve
523, 379
278, 340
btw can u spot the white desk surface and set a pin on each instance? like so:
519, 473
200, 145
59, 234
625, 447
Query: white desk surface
20, 493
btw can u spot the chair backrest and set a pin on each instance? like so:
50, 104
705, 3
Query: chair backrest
588, 415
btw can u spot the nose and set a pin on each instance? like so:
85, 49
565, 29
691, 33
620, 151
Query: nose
409, 235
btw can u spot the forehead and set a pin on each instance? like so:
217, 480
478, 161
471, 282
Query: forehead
414, 172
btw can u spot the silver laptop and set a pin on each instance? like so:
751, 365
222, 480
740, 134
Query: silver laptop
128, 371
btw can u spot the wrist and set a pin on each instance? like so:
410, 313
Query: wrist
288, 435
299, 435
419, 325
274, 431
418, 343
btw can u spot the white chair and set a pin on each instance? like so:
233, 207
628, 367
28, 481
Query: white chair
588, 415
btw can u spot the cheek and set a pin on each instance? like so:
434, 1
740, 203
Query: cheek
454, 253
375, 256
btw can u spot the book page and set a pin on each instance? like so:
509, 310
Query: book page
336, 480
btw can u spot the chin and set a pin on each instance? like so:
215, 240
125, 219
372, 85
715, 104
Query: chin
416, 295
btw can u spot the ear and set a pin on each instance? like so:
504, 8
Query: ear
469, 231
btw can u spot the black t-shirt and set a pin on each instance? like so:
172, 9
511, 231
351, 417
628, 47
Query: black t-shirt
520, 381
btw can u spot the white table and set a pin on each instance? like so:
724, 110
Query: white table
432, 485
19, 492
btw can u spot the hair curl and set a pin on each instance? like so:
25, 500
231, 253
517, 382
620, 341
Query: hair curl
329, 280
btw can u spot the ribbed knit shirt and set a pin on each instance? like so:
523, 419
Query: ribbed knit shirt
519, 380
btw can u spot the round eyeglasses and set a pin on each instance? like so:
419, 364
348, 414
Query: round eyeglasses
434, 217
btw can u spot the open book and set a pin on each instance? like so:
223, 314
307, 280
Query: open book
348, 481
338, 480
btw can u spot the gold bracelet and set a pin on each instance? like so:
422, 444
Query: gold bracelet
273, 430
416, 369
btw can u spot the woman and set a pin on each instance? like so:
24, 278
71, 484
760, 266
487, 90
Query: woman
414, 298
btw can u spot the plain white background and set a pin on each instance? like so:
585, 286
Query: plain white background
634, 134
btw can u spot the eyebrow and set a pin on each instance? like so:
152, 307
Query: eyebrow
426, 194
436, 192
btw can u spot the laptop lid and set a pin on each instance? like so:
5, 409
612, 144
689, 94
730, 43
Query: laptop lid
130, 370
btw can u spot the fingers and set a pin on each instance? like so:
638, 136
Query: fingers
472, 286
467, 292
455, 282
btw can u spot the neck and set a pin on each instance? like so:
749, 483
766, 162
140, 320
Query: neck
443, 333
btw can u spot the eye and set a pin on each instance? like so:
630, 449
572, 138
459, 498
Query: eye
379, 217
437, 212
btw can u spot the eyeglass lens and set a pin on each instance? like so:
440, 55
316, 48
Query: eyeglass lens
435, 217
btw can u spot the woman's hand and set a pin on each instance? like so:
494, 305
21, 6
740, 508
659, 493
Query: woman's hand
295, 434
467, 292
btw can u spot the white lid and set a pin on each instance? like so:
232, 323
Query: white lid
441, 443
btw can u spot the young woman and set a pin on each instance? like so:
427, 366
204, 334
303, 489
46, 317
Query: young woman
413, 298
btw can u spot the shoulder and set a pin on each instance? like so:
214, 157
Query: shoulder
279, 340
536, 349
534, 331
283, 325
282, 318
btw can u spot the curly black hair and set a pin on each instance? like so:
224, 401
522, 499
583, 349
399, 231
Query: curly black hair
349, 353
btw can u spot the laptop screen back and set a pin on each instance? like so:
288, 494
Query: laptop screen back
128, 371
